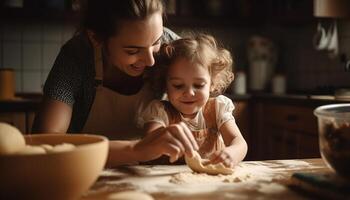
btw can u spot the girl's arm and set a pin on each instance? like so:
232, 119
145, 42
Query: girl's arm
236, 146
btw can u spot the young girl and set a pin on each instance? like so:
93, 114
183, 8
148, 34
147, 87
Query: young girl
193, 72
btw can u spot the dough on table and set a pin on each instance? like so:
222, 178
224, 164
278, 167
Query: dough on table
129, 195
31, 150
11, 139
196, 164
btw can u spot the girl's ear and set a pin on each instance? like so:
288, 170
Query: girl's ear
96, 43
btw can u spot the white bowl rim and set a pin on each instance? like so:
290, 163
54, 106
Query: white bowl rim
323, 111
78, 147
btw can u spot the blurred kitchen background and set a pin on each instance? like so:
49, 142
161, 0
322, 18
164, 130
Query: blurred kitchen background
287, 38
32, 32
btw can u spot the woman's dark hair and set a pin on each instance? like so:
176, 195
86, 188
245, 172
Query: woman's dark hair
104, 16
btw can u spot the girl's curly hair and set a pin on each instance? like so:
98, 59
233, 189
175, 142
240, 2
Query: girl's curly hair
199, 49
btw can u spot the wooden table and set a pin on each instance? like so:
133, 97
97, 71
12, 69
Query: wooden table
252, 179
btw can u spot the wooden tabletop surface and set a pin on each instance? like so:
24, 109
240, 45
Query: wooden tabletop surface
251, 179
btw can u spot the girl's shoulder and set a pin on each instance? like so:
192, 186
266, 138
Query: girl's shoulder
223, 104
223, 109
222, 99
220, 102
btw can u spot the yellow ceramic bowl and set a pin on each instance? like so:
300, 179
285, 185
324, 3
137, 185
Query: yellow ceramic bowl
59, 175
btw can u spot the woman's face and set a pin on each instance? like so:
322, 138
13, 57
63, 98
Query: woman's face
188, 87
131, 49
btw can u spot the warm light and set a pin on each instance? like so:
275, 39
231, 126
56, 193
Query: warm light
332, 8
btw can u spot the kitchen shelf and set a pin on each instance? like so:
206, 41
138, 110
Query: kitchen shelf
19, 14
222, 13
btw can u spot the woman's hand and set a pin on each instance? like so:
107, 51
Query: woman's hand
173, 141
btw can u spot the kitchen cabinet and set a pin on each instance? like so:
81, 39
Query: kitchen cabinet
22, 120
17, 119
242, 116
19, 112
42, 10
284, 131
239, 12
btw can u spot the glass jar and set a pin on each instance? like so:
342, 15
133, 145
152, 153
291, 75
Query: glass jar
334, 136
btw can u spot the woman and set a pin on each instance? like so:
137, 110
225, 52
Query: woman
98, 84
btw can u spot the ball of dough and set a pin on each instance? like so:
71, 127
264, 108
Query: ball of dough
11, 139
129, 195
31, 150
61, 148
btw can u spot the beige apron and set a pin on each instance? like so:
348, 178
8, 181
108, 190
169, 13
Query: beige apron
112, 114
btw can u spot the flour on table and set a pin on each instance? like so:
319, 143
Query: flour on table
271, 188
242, 173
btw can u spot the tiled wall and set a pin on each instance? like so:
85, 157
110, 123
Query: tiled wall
306, 69
30, 49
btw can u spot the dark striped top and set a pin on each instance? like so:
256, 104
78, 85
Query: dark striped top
71, 79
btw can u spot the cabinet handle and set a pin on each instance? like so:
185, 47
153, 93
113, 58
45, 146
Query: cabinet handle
292, 118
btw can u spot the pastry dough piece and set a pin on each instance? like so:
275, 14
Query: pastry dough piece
196, 164
31, 150
61, 148
47, 147
11, 139
130, 195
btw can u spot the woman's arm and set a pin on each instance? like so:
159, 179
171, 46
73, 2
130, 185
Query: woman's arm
53, 117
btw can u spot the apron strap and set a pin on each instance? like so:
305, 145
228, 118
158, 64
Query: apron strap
209, 114
98, 61
98, 64
173, 115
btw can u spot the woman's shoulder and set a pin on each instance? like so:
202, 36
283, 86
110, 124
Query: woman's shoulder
78, 47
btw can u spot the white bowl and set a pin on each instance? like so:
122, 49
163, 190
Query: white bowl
60, 175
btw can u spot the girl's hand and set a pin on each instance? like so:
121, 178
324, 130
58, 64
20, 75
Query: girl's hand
173, 141
225, 156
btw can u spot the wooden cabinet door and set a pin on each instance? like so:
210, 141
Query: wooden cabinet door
29, 121
243, 121
17, 119
285, 131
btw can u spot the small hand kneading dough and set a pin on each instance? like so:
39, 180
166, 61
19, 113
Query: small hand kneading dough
31, 150
130, 195
196, 164
11, 139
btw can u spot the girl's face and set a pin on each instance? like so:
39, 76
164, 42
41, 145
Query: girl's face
131, 49
188, 86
